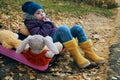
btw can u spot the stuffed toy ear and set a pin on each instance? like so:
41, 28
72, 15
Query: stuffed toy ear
50, 45
22, 46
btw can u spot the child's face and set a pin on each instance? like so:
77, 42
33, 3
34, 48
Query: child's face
40, 14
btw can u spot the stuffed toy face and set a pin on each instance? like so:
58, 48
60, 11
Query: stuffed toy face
37, 43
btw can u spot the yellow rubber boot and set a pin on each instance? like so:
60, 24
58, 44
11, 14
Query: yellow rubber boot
72, 47
90, 53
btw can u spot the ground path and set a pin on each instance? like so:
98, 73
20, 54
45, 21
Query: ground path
114, 59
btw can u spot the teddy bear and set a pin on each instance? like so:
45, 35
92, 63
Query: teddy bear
41, 49
23, 30
9, 39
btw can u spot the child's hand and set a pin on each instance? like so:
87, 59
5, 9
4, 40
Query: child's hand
46, 19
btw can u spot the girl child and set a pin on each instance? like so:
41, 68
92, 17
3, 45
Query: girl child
37, 22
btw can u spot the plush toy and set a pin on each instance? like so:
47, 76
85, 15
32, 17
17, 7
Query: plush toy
23, 29
8, 39
41, 49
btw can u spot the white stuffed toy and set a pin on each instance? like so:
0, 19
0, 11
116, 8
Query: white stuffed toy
41, 49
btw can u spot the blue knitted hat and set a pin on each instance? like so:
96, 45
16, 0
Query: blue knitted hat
31, 7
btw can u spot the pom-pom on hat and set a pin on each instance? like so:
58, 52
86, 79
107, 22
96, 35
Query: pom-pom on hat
31, 7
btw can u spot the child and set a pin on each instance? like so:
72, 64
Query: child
37, 22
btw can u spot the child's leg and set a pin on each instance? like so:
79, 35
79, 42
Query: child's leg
79, 33
63, 34
85, 44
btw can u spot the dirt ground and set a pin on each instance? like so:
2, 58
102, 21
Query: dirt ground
100, 29
114, 57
